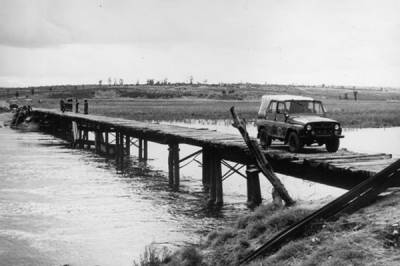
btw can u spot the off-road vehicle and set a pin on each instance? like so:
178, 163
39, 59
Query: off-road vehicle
297, 121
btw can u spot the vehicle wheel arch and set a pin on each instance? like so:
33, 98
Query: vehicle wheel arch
288, 131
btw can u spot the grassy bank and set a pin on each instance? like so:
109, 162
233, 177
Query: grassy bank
367, 237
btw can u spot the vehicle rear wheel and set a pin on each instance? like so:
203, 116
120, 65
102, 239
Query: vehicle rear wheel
265, 139
332, 145
294, 142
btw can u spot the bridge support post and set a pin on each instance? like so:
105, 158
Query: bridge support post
96, 141
173, 165
215, 179
218, 181
140, 149
80, 138
212, 180
117, 142
145, 152
128, 145
106, 142
253, 186
206, 168
86, 137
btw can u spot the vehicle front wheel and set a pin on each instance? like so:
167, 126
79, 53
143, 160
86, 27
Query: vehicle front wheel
265, 139
332, 145
294, 142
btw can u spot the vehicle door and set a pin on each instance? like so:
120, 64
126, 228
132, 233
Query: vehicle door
270, 116
280, 119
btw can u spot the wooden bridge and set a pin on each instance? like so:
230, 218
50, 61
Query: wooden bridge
115, 136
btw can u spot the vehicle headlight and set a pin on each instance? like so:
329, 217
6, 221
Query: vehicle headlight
337, 127
308, 127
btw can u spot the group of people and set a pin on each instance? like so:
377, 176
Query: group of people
68, 106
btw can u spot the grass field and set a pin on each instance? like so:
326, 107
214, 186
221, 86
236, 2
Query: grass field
374, 108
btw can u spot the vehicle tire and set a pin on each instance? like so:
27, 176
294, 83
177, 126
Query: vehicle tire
265, 139
294, 142
332, 145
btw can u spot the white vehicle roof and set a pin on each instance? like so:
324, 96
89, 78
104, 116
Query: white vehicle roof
266, 99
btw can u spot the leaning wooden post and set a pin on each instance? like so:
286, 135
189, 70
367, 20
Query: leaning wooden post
260, 159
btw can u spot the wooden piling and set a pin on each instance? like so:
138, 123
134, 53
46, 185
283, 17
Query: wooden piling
170, 165
176, 167
128, 145
173, 165
97, 141
212, 178
218, 181
106, 142
253, 186
206, 169
145, 150
140, 149
80, 138
117, 141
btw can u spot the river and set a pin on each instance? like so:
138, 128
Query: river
67, 206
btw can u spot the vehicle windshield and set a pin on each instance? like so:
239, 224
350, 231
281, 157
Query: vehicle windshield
305, 107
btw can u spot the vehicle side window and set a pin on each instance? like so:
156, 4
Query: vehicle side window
271, 107
281, 108
318, 108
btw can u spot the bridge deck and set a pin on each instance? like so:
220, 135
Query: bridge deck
342, 169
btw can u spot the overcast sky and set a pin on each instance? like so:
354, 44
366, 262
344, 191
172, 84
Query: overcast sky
343, 42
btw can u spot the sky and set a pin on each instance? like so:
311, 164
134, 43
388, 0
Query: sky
333, 42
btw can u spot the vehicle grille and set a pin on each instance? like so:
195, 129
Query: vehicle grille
323, 128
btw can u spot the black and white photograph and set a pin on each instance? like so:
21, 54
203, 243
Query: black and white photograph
199, 132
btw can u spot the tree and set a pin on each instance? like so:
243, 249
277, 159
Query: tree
100, 82
121, 82
109, 81
191, 80
150, 82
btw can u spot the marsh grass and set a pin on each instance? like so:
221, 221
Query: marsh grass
209, 103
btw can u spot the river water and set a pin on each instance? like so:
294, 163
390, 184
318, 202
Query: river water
67, 206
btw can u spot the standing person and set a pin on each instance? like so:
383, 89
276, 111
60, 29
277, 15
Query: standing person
76, 105
85, 107
62, 106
